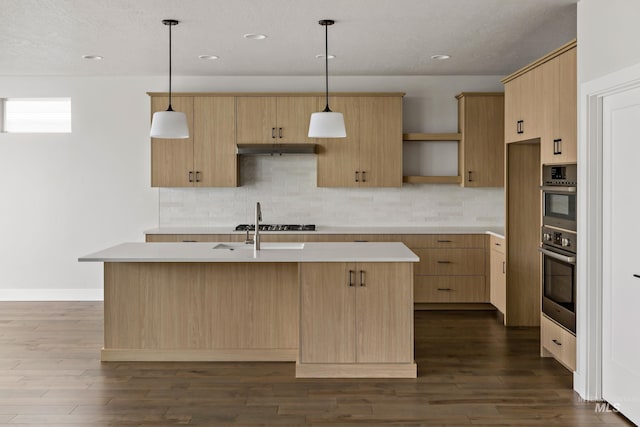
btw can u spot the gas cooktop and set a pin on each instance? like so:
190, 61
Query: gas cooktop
277, 227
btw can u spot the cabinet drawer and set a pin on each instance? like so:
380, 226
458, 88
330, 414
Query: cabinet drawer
449, 289
497, 244
559, 342
450, 262
443, 241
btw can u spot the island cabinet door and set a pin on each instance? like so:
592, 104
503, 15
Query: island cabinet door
327, 313
384, 313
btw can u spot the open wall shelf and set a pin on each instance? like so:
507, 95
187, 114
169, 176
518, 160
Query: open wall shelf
416, 179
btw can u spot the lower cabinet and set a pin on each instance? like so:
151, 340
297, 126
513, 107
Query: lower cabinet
356, 319
557, 342
497, 274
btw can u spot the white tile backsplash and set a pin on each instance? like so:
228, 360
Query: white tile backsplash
286, 187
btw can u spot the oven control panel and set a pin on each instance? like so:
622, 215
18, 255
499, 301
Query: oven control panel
558, 238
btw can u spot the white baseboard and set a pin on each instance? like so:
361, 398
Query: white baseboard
51, 295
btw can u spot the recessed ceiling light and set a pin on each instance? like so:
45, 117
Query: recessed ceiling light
208, 57
92, 57
321, 56
440, 57
252, 36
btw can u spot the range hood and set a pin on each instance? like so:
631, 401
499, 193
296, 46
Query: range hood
252, 149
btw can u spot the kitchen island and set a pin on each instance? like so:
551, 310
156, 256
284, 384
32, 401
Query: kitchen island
336, 309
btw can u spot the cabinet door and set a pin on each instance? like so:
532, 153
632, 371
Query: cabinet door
481, 150
512, 97
567, 118
294, 114
327, 313
338, 158
384, 313
498, 283
172, 159
381, 142
530, 110
256, 120
215, 161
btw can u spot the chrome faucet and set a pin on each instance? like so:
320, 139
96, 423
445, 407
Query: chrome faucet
256, 234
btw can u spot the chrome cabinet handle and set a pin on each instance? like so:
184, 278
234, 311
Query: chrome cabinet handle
279, 132
197, 176
362, 284
556, 342
273, 133
352, 276
364, 176
444, 289
567, 259
190, 176
357, 180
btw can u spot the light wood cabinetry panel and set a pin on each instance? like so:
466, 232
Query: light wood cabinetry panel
559, 141
523, 235
557, 342
327, 306
371, 154
215, 161
522, 107
330, 238
497, 273
481, 147
338, 158
205, 159
202, 307
381, 142
457, 262
256, 120
444, 241
187, 237
449, 289
274, 119
172, 159
384, 313
353, 314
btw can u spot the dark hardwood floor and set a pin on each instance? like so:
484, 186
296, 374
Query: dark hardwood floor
472, 371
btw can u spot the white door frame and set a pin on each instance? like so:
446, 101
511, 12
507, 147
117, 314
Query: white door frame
588, 375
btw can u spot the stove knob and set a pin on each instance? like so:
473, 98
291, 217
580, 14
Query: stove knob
547, 237
565, 242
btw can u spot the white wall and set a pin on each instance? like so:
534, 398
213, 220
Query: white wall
607, 36
64, 196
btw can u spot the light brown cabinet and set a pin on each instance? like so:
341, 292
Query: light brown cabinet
274, 119
557, 342
497, 274
356, 313
481, 147
521, 104
371, 154
559, 139
207, 158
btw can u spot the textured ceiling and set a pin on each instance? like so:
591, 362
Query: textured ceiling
371, 37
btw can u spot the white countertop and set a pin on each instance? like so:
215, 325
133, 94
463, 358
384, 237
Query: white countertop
270, 252
497, 231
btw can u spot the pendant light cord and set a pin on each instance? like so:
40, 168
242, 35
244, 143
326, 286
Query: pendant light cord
170, 107
326, 67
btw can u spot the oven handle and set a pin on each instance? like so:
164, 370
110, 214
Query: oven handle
559, 257
558, 189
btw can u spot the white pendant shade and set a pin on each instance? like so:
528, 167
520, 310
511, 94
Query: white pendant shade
169, 125
327, 125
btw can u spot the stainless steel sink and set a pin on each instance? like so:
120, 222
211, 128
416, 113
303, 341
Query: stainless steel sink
263, 246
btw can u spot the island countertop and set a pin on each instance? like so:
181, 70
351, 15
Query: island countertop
240, 252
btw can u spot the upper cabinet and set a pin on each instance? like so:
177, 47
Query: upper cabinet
541, 102
371, 154
481, 149
274, 119
208, 157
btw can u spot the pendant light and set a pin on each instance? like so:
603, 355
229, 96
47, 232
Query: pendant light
169, 124
327, 124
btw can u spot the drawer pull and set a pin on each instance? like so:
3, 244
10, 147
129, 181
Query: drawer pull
556, 342
444, 289
498, 244
444, 241
362, 284
444, 262
189, 241
637, 276
352, 275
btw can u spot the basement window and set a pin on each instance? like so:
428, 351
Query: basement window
35, 115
